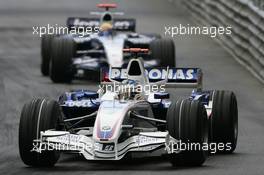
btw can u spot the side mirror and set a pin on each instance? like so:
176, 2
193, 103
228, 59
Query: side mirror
161, 95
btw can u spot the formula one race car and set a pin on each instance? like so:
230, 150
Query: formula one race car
131, 113
82, 55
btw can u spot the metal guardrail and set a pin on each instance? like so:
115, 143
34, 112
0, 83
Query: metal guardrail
246, 43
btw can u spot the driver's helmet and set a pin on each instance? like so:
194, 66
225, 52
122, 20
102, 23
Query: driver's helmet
106, 29
132, 82
129, 90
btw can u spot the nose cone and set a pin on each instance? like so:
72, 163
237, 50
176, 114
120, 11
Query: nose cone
109, 119
105, 132
106, 126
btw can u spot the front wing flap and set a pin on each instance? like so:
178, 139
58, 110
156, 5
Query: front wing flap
92, 150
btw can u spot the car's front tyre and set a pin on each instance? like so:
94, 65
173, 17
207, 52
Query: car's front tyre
46, 41
164, 50
38, 115
63, 50
187, 123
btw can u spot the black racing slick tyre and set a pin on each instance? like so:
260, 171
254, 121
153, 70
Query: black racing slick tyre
164, 50
46, 41
224, 120
187, 123
38, 115
63, 50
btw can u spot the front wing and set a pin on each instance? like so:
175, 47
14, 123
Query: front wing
93, 150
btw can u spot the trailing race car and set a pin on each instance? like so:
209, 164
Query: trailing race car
69, 56
112, 122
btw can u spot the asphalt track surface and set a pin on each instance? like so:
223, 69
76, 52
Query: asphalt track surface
21, 80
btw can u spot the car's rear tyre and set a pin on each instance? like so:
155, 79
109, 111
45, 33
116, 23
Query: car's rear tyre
224, 120
164, 50
187, 122
46, 41
63, 49
38, 115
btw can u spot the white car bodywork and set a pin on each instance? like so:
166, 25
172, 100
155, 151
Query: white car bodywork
99, 144
101, 141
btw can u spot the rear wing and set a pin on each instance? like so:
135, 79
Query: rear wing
124, 24
176, 77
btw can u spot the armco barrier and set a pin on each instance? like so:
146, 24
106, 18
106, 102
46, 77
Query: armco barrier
246, 43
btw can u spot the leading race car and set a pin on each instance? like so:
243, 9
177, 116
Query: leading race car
131, 113
69, 56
